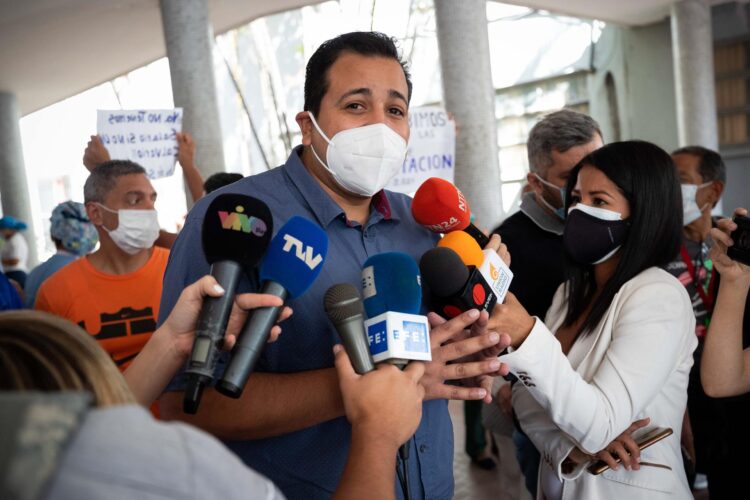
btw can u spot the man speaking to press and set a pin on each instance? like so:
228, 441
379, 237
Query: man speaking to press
288, 424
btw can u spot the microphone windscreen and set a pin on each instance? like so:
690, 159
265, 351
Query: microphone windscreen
295, 256
390, 282
465, 246
440, 206
237, 228
443, 271
342, 302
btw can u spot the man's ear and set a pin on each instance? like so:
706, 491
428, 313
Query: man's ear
95, 213
715, 191
534, 183
305, 126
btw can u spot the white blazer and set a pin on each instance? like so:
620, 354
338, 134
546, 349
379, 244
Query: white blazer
635, 364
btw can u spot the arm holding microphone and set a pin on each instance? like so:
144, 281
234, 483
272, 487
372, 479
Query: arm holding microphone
385, 408
170, 345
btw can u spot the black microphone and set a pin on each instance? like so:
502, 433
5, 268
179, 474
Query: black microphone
235, 233
345, 310
453, 286
291, 265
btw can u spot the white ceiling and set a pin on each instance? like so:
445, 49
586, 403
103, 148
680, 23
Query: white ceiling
52, 49
626, 12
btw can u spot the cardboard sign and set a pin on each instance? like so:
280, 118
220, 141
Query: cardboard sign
432, 150
147, 137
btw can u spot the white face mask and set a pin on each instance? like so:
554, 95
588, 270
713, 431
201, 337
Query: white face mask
363, 160
137, 230
691, 212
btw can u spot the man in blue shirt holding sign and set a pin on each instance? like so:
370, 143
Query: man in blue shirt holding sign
289, 422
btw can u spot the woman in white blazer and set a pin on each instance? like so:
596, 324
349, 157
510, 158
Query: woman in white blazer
616, 346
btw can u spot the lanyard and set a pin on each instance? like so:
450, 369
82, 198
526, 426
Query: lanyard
707, 298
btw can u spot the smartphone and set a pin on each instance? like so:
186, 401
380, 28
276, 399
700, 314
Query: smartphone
740, 251
644, 441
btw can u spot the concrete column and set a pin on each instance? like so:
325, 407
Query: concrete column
14, 188
469, 94
189, 39
692, 46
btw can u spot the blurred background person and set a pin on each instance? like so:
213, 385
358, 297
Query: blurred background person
73, 235
15, 250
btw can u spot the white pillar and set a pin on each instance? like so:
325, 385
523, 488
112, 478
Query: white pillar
469, 94
692, 46
14, 188
189, 39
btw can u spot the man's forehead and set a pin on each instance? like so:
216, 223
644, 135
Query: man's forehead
133, 183
355, 71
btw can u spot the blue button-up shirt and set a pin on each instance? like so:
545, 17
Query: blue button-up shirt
308, 463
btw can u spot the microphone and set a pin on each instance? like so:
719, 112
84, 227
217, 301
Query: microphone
235, 233
490, 265
454, 287
442, 208
291, 265
391, 282
344, 308
392, 293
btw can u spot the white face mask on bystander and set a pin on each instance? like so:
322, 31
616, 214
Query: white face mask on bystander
136, 230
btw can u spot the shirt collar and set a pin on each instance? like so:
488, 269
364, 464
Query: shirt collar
540, 217
321, 205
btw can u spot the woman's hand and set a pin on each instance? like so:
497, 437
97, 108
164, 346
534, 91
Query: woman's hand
511, 318
729, 269
183, 319
498, 246
624, 447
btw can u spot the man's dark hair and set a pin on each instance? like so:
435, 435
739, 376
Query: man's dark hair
366, 43
711, 166
558, 131
220, 179
645, 174
104, 177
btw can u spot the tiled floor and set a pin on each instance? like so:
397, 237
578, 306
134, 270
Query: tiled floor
504, 483
473, 483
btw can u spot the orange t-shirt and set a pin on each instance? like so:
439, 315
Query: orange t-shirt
119, 311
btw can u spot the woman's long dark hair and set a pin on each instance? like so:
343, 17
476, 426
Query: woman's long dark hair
647, 177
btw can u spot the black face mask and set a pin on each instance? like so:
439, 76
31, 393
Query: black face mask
590, 239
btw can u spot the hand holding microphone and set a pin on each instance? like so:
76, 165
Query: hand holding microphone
384, 406
171, 344
235, 233
291, 265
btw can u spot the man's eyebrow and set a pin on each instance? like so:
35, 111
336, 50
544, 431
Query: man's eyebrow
397, 95
360, 90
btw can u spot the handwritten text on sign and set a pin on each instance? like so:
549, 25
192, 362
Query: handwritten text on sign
147, 137
432, 149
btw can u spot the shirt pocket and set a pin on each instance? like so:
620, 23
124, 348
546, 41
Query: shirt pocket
648, 477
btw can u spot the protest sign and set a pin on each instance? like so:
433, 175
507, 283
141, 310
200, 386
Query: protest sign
147, 137
432, 149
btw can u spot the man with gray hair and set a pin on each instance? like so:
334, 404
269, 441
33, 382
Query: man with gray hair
114, 293
534, 234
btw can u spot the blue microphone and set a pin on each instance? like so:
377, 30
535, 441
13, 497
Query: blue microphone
390, 282
392, 293
293, 261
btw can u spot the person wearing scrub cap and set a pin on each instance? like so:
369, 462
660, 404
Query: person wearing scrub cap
74, 236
